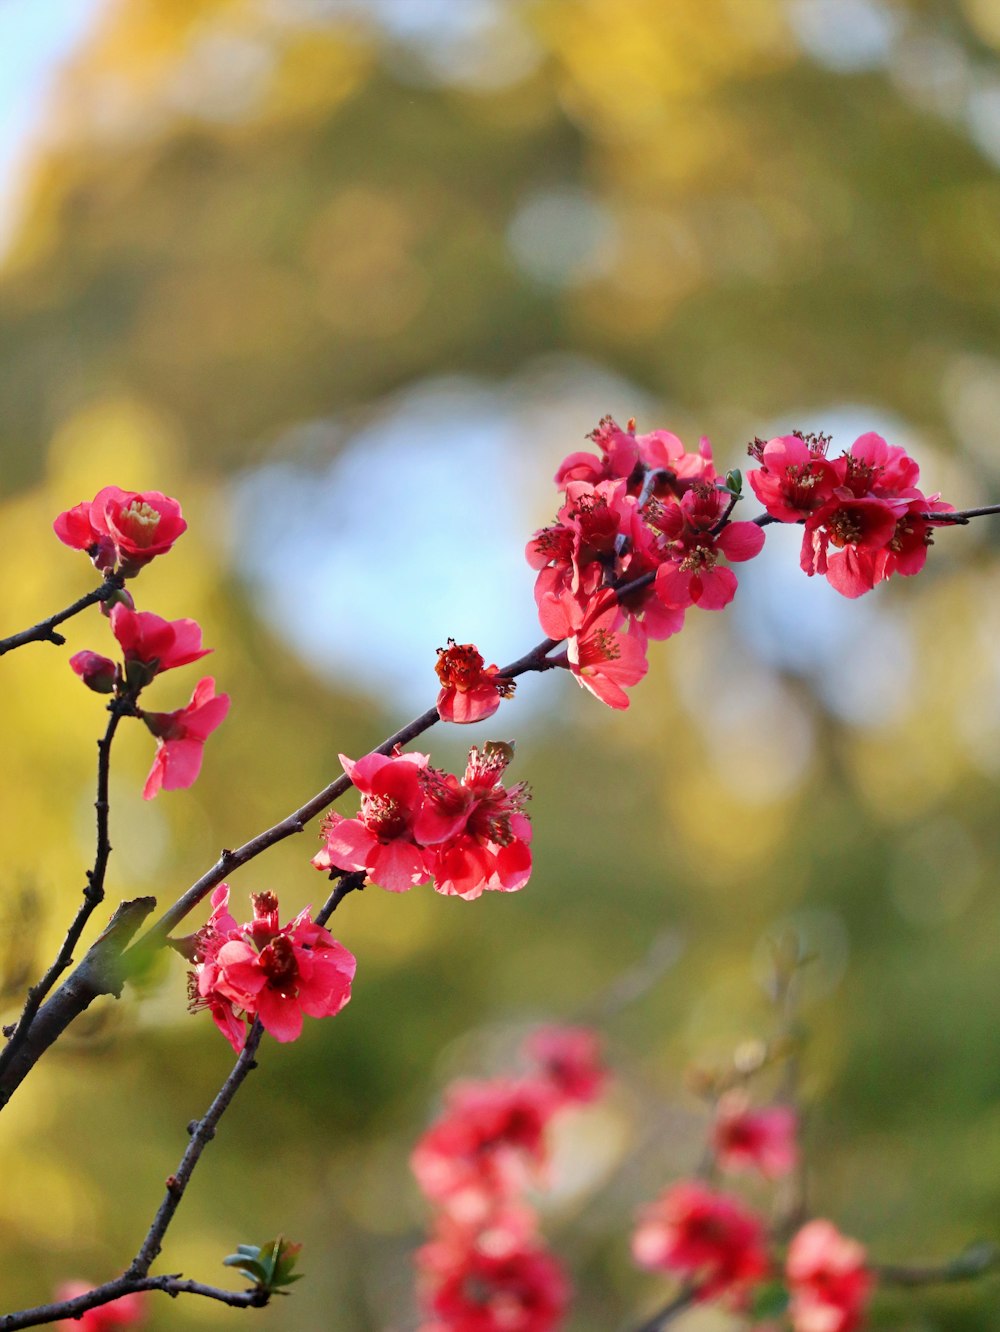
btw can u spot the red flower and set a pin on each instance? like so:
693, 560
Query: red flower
126, 1311
479, 1286
745, 1139
829, 1282
604, 654
570, 1060
380, 840
470, 690
98, 673
152, 645
123, 526
691, 574
475, 830
480, 1151
707, 1237
266, 970
182, 735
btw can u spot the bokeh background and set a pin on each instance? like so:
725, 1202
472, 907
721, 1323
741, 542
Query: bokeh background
349, 277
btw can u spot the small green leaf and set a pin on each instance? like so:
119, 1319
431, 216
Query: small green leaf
734, 482
768, 1301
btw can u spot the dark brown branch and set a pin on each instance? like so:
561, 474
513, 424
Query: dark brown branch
123, 1285
975, 1261
347, 883
45, 630
202, 1133
962, 515
678, 1305
93, 895
100, 972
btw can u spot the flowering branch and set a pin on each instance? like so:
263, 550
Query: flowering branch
45, 630
93, 894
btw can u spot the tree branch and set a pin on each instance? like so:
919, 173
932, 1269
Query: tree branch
45, 630
113, 1290
93, 895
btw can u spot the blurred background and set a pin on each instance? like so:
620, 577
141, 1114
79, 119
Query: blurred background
349, 277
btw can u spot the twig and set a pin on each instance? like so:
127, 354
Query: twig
681, 1302
202, 1132
975, 1261
93, 895
113, 1290
45, 630
347, 883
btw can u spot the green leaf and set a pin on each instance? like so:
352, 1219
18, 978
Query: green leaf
768, 1301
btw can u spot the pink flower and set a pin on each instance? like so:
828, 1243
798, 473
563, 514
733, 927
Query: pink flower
483, 1286
619, 451
604, 655
98, 673
470, 690
152, 645
484, 1146
795, 478
126, 1311
182, 735
707, 1237
266, 970
380, 840
829, 1282
745, 1139
475, 831
123, 526
691, 574
570, 1060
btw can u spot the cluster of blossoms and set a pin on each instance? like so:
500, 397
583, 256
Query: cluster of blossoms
865, 504
719, 1246
416, 823
122, 531
642, 511
262, 969
644, 534
486, 1268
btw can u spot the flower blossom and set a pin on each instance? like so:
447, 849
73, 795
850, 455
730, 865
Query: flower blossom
126, 1311
380, 840
123, 527
181, 737
570, 1062
470, 690
762, 1140
265, 970
152, 645
691, 574
707, 1237
828, 1280
481, 1285
418, 823
862, 512
98, 673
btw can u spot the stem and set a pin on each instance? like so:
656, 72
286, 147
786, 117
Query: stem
962, 515
976, 1261
202, 1132
347, 883
45, 630
93, 895
123, 1285
682, 1301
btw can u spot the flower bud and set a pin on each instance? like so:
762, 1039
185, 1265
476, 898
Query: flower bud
98, 673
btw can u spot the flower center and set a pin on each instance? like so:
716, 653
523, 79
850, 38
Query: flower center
279, 964
140, 520
384, 816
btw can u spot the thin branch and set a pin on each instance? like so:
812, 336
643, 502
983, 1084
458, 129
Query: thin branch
678, 1305
93, 895
962, 515
123, 1285
45, 630
202, 1132
975, 1261
347, 883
